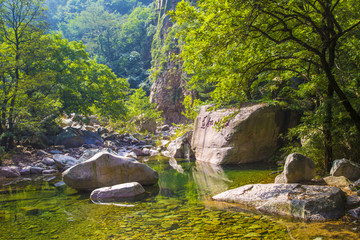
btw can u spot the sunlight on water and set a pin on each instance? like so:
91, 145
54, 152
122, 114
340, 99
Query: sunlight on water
179, 207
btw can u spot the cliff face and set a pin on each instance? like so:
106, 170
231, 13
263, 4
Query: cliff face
168, 88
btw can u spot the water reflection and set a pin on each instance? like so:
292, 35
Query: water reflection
174, 164
209, 179
176, 208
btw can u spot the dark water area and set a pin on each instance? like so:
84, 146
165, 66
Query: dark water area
179, 207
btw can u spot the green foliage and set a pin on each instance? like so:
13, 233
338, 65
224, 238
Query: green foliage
117, 32
139, 110
293, 53
191, 107
43, 76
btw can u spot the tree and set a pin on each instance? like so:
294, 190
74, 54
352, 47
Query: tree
43, 76
273, 49
20, 27
121, 42
139, 111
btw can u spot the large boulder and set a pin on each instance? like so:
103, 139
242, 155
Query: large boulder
250, 135
10, 172
307, 202
298, 168
180, 147
72, 138
346, 168
125, 191
105, 169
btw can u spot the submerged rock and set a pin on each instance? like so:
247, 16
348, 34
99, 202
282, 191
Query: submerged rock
346, 168
298, 168
105, 169
251, 135
291, 200
118, 192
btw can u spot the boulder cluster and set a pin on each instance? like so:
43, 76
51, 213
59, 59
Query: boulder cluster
297, 194
89, 160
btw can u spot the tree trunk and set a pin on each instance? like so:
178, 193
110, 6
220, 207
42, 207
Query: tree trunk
344, 100
327, 126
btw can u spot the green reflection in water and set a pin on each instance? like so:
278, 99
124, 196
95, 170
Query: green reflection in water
178, 208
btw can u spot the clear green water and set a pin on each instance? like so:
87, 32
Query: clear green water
178, 208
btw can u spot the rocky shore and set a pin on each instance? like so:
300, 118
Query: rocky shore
89, 160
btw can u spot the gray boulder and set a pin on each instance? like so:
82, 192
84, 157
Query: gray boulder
48, 161
36, 170
355, 213
297, 168
10, 172
153, 152
25, 170
307, 202
346, 168
353, 201
105, 169
118, 192
63, 161
72, 138
250, 135
181, 148
341, 182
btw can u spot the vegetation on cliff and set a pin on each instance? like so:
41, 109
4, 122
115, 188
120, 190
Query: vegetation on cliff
302, 54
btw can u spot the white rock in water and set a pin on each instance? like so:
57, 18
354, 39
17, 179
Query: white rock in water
308, 202
117, 192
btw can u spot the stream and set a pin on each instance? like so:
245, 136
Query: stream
179, 207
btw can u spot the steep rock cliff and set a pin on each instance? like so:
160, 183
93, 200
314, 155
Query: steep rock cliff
168, 88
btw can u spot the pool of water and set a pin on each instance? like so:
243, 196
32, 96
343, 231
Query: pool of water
179, 207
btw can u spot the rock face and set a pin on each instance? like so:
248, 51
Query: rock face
252, 135
180, 147
105, 169
169, 85
346, 168
118, 192
298, 168
305, 202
